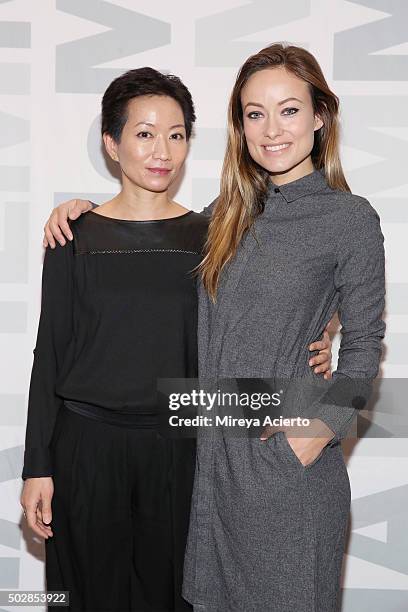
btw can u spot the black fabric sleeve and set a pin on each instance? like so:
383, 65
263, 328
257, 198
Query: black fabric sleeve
54, 333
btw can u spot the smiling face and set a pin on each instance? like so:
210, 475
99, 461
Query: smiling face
153, 144
279, 123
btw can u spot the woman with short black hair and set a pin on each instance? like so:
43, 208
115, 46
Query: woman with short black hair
119, 311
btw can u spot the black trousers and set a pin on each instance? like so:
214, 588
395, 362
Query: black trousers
120, 516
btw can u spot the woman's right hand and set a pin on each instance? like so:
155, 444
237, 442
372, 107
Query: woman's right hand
36, 503
57, 224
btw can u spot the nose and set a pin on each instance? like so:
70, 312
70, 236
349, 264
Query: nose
161, 149
273, 127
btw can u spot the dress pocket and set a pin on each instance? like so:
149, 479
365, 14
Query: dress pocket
292, 455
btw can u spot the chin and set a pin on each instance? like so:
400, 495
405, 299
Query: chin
280, 166
157, 185
157, 189
276, 167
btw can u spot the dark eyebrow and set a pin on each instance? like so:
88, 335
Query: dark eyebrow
152, 124
287, 100
279, 103
143, 123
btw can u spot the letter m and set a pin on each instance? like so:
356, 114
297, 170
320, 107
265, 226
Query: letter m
360, 52
77, 61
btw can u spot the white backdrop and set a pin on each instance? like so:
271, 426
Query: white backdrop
56, 59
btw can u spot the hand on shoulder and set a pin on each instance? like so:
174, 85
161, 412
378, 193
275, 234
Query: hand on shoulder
57, 225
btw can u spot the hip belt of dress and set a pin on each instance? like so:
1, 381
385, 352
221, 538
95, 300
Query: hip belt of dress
137, 419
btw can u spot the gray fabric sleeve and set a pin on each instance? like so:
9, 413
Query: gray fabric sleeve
360, 280
208, 210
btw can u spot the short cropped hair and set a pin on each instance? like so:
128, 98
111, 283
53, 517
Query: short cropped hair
142, 82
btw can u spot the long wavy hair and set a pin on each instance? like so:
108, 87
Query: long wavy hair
244, 183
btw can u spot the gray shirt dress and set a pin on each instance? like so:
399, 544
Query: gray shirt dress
268, 534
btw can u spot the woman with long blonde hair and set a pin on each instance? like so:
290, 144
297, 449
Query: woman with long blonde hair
288, 246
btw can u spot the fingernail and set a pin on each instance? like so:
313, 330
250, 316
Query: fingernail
70, 236
310, 362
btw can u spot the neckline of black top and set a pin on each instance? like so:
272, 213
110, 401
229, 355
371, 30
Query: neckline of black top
95, 214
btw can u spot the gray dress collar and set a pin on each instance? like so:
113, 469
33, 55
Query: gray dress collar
306, 185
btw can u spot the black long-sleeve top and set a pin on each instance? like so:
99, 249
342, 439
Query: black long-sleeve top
118, 311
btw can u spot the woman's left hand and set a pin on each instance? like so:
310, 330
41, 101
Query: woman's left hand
306, 448
322, 361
